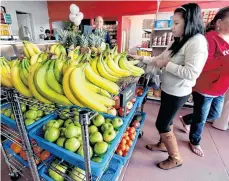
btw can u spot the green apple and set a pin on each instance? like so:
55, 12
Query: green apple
97, 159
109, 135
40, 113
31, 114
60, 141
67, 122
76, 118
72, 131
100, 148
8, 112
139, 118
29, 122
54, 175
34, 107
77, 123
117, 123
62, 131
37, 118
72, 144
53, 123
81, 153
107, 126
108, 120
98, 120
92, 129
77, 174
23, 107
80, 139
66, 110
60, 122
52, 134
12, 116
96, 137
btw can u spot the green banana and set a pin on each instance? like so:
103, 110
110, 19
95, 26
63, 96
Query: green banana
45, 90
21, 73
58, 70
51, 80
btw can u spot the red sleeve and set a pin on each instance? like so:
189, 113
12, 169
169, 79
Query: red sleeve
225, 65
212, 61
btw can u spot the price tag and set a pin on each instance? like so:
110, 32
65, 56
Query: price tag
7, 18
127, 94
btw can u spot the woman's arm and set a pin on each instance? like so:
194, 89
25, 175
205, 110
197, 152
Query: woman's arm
196, 54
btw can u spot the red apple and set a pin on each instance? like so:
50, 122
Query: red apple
121, 112
117, 102
129, 105
112, 111
135, 124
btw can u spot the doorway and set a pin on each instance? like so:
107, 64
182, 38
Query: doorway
25, 25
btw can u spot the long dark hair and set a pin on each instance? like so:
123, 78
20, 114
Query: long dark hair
221, 14
193, 24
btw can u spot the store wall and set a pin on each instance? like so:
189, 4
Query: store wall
38, 10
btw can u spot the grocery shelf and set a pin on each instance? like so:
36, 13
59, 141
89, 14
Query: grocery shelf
162, 29
159, 46
10, 134
158, 99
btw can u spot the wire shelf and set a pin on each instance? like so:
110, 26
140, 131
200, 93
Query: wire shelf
11, 134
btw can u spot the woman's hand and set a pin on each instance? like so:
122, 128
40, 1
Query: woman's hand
161, 63
136, 57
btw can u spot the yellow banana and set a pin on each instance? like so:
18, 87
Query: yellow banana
35, 48
32, 87
103, 72
105, 84
135, 71
52, 48
29, 49
26, 52
17, 83
45, 90
6, 81
66, 65
93, 63
34, 58
51, 80
82, 93
57, 50
63, 50
66, 87
113, 66
110, 71
96, 89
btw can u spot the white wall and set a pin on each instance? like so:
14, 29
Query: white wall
38, 10
136, 30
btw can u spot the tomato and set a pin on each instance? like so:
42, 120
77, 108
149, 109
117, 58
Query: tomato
131, 130
129, 143
123, 141
119, 152
16, 148
122, 147
44, 155
127, 148
23, 155
125, 153
127, 138
37, 149
126, 134
132, 136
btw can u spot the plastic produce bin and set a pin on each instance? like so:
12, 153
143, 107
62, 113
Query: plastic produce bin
127, 157
73, 158
12, 123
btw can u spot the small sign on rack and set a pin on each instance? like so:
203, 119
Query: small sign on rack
127, 94
7, 18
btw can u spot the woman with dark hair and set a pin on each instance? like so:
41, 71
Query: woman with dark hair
181, 63
208, 95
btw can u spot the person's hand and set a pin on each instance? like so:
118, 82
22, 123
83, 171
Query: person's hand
136, 57
161, 63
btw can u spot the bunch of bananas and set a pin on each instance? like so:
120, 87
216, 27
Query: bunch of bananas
40, 57
74, 54
30, 49
58, 49
5, 73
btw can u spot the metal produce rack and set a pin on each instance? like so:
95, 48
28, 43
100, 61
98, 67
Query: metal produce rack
16, 169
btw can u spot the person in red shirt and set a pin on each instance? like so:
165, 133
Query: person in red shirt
208, 93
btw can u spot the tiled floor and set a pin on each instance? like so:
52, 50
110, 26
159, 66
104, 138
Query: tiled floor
213, 167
